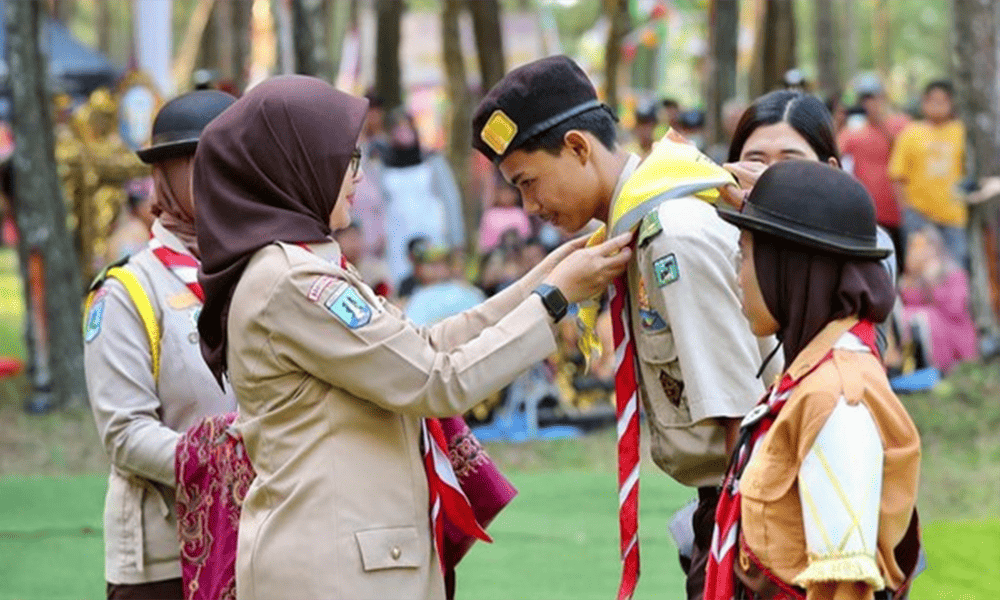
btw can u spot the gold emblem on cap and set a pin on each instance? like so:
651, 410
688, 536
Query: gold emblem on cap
499, 131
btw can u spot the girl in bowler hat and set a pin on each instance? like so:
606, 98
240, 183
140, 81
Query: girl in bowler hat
819, 498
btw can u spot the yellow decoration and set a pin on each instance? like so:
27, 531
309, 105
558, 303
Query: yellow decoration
499, 131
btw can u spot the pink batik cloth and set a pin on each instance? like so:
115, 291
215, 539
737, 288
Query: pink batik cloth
214, 474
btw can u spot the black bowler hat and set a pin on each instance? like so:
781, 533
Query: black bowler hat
180, 121
812, 204
529, 101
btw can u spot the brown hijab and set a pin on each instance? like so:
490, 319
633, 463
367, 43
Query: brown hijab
176, 215
270, 168
805, 289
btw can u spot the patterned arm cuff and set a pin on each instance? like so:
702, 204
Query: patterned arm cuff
859, 567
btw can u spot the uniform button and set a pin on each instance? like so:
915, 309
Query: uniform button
395, 552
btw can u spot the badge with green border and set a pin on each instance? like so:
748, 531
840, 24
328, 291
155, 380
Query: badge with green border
665, 270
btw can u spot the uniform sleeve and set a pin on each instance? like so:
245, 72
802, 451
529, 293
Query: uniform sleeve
459, 329
375, 354
899, 161
122, 391
690, 276
840, 490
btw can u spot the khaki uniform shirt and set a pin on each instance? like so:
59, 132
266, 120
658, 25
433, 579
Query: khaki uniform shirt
332, 383
138, 418
772, 514
697, 356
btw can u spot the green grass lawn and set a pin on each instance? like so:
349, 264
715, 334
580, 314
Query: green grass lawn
557, 540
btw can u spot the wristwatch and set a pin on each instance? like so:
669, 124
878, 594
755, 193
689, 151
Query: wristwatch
553, 300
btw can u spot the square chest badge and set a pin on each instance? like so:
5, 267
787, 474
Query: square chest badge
665, 270
350, 307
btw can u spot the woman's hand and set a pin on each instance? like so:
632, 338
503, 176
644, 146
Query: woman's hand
746, 173
586, 272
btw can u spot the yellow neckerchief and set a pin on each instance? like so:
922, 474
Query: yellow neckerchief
672, 170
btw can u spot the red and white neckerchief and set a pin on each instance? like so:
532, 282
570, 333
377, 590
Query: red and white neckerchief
182, 264
627, 411
447, 499
720, 579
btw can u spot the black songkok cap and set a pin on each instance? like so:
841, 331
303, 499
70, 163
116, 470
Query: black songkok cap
529, 101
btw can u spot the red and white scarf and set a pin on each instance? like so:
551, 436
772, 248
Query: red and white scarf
182, 264
720, 579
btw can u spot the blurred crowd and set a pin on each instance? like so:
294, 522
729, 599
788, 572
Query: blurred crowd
409, 239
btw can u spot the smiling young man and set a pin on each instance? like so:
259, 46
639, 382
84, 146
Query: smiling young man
550, 136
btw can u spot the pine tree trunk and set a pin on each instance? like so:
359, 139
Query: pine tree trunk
724, 18
774, 52
48, 258
977, 41
617, 12
388, 79
459, 125
489, 40
242, 13
102, 22
826, 49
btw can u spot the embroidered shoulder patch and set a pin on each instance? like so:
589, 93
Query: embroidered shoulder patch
322, 283
350, 307
649, 228
94, 318
665, 270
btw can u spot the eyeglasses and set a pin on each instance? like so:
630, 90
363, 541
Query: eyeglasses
355, 165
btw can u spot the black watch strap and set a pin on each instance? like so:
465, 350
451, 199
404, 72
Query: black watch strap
553, 300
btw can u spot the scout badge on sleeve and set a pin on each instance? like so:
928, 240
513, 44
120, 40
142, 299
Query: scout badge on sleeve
94, 317
666, 270
350, 307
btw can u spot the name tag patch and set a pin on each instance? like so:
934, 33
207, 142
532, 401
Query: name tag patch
666, 270
319, 286
350, 307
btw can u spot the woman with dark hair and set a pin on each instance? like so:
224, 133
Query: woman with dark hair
819, 498
781, 125
333, 383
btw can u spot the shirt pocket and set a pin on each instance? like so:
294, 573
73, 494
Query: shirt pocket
389, 548
663, 382
768, 524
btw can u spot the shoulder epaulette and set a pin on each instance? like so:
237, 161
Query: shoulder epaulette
649, 227
103, 274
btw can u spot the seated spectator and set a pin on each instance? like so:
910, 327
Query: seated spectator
503, 265
373, 271
414, 247
439, 294
506, 213
935, 294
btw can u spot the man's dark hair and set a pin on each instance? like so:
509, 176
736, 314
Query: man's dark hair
669, 103
940, 84
597, 121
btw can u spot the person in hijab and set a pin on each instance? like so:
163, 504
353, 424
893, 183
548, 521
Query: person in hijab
819, 498
145, 375
334, 385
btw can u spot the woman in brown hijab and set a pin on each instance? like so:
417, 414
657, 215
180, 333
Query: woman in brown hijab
819, 499
333, 383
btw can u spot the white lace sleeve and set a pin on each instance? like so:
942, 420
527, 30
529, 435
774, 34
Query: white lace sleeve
840, 486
